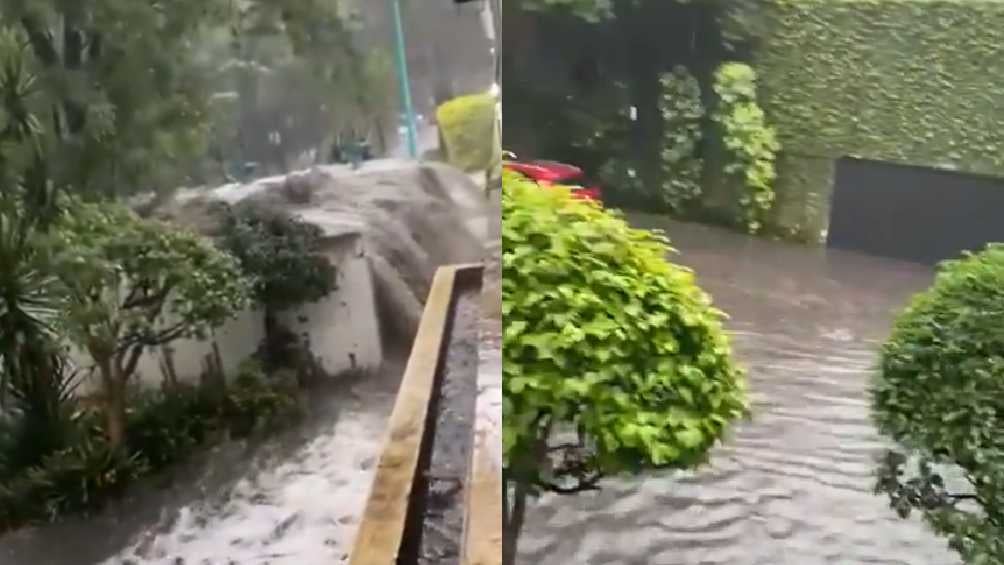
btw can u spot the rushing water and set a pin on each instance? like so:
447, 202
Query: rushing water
444, 484
793, 486
291, 500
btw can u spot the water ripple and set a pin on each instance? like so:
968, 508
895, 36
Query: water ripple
793, 486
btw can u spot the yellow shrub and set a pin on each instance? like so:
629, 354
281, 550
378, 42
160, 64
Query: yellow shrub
470, 132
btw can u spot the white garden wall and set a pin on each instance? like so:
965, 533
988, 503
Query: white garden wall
342, 330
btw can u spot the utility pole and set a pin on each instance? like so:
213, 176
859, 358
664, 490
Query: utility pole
403, 79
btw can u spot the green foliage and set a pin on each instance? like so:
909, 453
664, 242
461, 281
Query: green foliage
76, 479
605, 337
280, 253
750, 142
120, 98
470, 128
290, 79
255, 402
939, 393
682, 114
890, 80
164, 427
133, 283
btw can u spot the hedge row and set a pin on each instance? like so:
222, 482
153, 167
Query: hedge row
910, 81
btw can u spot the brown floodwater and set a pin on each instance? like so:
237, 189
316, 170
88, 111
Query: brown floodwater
793, 486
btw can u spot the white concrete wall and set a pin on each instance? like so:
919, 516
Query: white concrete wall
343, 329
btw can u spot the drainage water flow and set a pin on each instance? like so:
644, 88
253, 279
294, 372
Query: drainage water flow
793, 486
452, 440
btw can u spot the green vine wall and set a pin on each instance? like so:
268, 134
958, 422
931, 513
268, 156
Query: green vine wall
911, 81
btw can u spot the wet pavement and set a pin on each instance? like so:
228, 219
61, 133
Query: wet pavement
794, 484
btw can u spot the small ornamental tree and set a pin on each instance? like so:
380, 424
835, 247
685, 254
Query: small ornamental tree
132, 284
939, 392
283, 256
614, 360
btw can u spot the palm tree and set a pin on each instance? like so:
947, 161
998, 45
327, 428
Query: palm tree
35, 375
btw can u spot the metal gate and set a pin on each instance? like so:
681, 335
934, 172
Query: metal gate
917, 214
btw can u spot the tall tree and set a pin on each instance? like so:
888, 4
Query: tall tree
295, 77
124, 86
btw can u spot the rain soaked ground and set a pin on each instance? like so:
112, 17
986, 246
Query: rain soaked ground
293, 499
794, 485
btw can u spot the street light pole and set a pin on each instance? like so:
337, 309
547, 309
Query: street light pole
404, 85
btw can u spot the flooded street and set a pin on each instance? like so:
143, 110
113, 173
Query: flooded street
794, 485
293, 499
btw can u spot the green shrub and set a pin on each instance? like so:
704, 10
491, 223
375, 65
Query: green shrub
602, 332
682, 114
470, 130
132, 284
284, 256
255, 401
164, 427
940, 393
606, 340
751, 144
76, 479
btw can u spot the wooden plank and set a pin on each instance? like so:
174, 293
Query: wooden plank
383, 522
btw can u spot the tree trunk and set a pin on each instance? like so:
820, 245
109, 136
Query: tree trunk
271, 327
115, 402
513, 517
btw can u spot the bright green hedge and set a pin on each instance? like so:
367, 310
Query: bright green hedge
911, 81
469, 128
603, 334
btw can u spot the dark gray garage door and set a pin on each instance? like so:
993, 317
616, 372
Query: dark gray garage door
913, 213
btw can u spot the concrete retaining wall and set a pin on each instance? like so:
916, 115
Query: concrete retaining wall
342, 330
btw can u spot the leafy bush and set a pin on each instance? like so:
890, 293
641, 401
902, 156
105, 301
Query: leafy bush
75, 479
164, 427
470, 130
131, 284
682, 113
254, 401
606, 339
750, 142
284, 258
940, 393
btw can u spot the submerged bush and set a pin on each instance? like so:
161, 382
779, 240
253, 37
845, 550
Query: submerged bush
76, 479
940, 393
613, 358
164, 428
256, 401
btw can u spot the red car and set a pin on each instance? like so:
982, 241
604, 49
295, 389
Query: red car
546, 173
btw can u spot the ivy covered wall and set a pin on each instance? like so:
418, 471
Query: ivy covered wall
911, 81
